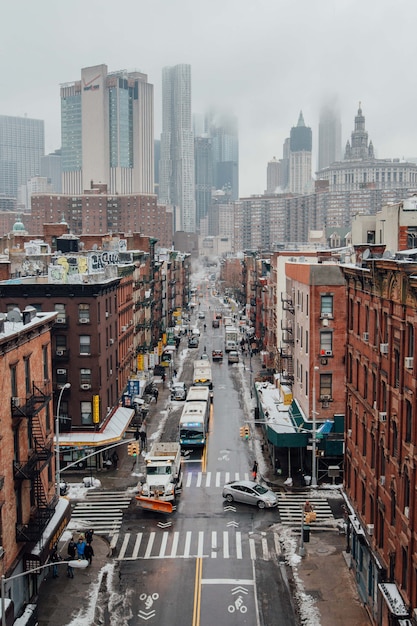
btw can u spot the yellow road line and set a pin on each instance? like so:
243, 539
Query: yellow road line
197, 591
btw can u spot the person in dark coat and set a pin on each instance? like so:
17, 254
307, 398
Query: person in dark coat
72, 551
89, 535
54, 560
89, 553
255, 470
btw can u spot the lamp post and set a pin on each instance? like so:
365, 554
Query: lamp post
76, 564
57, 459
313, 447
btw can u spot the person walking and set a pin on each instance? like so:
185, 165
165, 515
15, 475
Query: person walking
89, 553
81, 548
143, 439
115, 459
72, 551
55, 558
255, 470
89, 535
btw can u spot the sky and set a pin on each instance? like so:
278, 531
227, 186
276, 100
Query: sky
264, 60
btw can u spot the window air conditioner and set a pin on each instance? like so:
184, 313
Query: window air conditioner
16, 401
61, 372
409, 362
107, 314
407, 511
383, 348
84, 320
370, 529
111, 342
365, 336
60, 353
325, 398
382, 480
124, 328
328, 352
60, 320
382, 416
327, 315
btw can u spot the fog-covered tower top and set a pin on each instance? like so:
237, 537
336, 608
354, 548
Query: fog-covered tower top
358, 148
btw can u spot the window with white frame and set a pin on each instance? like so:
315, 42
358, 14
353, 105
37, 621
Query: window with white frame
86, 412
83, 313
85, 376
85, 344
326, 306
326, 343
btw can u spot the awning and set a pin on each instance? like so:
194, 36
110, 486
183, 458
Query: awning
393, 599
112, 432
50, 536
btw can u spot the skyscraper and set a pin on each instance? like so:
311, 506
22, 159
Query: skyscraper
107, 132
176, 171
330, 136
223, 130
203, 177
273, 176
300, 178
22, 144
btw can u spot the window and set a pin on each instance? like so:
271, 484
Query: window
83, 313
45, 362
410, 340
85, 344
408, 421
326, 306
60, 344
325, 385
85, 376
61, 317
86, 413
28, 382
326, 343
404, 567
13, 380
61, 376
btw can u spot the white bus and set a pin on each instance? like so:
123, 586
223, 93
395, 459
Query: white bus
194, 424
198, 394
202, 375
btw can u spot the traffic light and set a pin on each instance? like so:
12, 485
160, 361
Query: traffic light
130, 449
133, 448
246, 432
242, 431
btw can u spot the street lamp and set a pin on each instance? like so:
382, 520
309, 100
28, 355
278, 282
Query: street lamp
313, 447
57, 459
76, 564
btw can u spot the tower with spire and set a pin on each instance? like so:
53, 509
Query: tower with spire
358, 148
300, 175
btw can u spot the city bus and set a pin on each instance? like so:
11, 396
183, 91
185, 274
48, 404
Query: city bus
202, 375
194, 424
198, 394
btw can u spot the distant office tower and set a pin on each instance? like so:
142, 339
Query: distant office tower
107, 132
52, 170
203, 177
22, 144
156, 159
359, 148
285, 164
176, 168
223, 129
330, 137
273, 176
300, 179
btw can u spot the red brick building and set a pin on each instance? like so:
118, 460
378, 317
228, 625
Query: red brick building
381, 432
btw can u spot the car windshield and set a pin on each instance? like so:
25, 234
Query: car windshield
153, 470
260, 489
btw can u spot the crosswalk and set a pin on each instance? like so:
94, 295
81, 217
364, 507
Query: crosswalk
193, 544
212, 479
101, 510
291, 508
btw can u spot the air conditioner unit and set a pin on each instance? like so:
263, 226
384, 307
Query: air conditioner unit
349, 432
383, 348
85, 386
107, 314
60, 353
370, 529
382, 480
407, 511
110, 372
16, 401
382, 416
365, 336
325, 405
61, 371
409, 362
84, 320
328, 352
327, 315
61, 320
111, 342
325, 398
124, 328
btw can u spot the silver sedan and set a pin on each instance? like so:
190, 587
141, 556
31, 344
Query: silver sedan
250, 492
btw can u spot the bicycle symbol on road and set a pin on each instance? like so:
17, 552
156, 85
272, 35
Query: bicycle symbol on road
237, 606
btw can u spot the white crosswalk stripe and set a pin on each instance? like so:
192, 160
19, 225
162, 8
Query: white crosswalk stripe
291, 507
101, 510
202, 479
193, 544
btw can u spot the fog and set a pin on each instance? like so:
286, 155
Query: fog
264, 60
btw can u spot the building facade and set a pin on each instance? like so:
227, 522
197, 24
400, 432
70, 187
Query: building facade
330, 136
176, 168
300, 172
107, 132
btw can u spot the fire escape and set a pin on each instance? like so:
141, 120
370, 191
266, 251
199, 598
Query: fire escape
286, 351
39, 456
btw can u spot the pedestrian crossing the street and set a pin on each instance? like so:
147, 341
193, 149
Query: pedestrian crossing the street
291, 508
101, 510
194, 544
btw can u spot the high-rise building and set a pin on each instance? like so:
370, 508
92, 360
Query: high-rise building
300, 178
203, 177
176, 169
330, 137
107, 132
22, 144
223, 130
273, 176
52, 170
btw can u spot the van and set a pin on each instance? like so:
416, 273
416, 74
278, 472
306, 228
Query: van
195, 332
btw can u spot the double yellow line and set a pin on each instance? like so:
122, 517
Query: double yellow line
197, 591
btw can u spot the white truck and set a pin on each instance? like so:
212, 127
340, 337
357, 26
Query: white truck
231, 338
163, 475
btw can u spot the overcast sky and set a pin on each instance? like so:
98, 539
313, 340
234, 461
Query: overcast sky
263, 59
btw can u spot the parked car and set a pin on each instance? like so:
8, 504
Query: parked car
250, 492
193, 342
233, 356
201, 315
178, 391
217, 355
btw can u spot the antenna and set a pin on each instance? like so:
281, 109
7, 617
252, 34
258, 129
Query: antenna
14, 315
388, 255
366, 254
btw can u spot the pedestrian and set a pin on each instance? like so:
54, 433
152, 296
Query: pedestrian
89, 553
115, 459
89, 535
72, 551
81, 548
55, 558
175, 373
310, 514
255, 470
143, 439
155, 394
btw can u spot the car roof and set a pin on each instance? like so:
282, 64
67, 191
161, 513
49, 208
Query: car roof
244, 483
